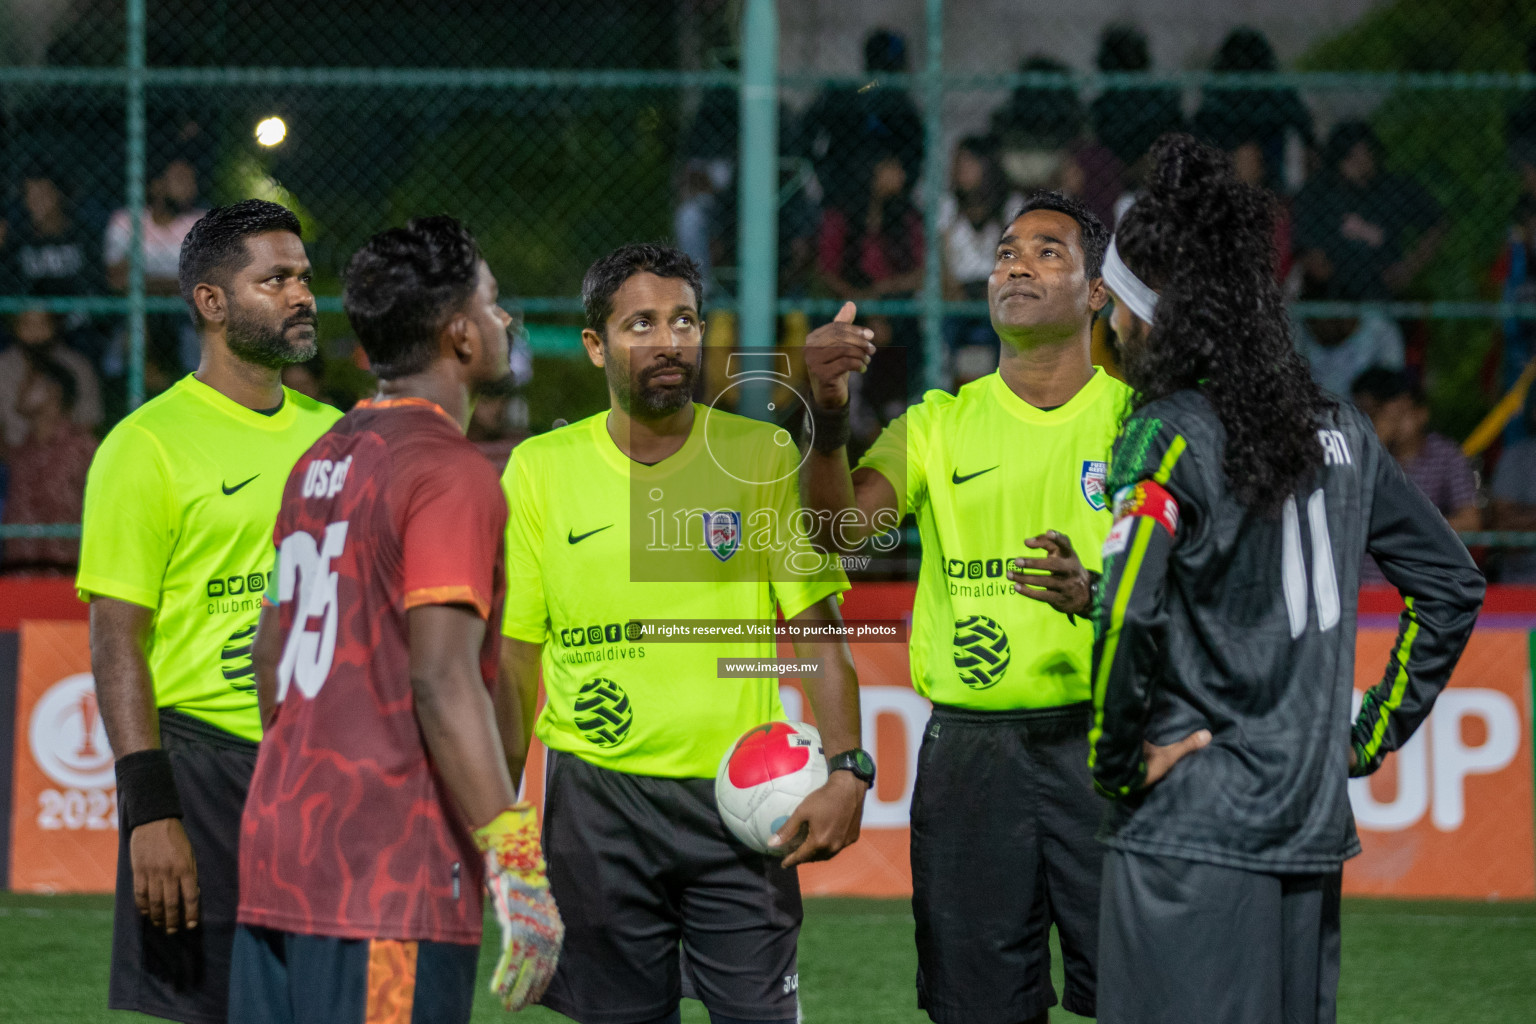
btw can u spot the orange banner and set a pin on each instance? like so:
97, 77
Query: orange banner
1450, 814
64, 801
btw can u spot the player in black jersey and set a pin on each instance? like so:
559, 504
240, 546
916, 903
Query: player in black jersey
1225, 622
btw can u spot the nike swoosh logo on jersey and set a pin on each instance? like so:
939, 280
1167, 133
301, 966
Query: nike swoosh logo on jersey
572, 537
956, 478
231, 490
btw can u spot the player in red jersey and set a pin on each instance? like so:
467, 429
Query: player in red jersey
359, 869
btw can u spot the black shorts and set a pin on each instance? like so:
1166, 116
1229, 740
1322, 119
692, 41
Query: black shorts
1003, 821
185, 976
653, 892
283, 978
1185, 942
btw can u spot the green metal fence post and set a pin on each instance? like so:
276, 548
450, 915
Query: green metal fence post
933, 189
135, 200
757, 192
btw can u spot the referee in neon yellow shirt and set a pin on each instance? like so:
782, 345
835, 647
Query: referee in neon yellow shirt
174, 558
661, 508
1004, 812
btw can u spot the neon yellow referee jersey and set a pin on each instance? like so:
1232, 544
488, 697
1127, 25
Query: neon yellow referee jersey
598, 544
982, 471
179, 509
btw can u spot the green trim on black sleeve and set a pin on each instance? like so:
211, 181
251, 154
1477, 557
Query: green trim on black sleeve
1112, 634
1369, 751
1170, 459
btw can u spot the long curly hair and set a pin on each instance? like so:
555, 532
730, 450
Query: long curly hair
1205, 242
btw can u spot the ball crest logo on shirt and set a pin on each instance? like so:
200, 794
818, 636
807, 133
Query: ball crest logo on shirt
602, 712
1094, 475
722, 533
235, 660
981, 651
68, 737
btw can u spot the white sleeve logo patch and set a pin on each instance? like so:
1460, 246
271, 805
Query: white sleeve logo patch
1119, 536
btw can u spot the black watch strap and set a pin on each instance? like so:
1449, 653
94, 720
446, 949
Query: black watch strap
857, 761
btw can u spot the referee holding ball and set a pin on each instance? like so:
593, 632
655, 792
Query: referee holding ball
660, 508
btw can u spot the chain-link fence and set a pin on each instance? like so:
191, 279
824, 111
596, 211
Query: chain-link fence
1400, 137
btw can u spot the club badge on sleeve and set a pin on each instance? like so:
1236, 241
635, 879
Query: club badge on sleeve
1151, 499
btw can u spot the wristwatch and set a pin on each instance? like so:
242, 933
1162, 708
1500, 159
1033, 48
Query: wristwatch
857, 761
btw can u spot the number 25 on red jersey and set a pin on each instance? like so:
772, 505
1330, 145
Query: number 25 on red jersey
305, 576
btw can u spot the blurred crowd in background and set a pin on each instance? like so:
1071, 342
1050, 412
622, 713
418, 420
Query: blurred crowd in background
851, 226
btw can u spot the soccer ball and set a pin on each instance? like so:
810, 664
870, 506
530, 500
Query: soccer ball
763, 778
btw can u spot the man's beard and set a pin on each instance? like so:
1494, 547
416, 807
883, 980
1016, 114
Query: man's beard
258, 343
501, 387
652, 401
1136, 356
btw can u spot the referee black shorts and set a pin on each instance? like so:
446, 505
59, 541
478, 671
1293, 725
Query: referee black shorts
185, 976
1185, 942
1003, 821
660, 901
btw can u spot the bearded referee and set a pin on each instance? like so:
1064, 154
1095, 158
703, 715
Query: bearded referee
1003, 813
661, 508
175, 557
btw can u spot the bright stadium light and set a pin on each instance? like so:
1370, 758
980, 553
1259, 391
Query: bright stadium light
271, 131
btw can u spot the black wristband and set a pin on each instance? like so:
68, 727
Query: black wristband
146, 789
827, 430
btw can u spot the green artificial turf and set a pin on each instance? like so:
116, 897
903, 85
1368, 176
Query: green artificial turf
1404, 963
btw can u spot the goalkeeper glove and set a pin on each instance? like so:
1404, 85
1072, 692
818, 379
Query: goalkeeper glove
531, 929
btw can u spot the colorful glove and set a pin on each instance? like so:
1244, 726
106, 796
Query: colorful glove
531, 929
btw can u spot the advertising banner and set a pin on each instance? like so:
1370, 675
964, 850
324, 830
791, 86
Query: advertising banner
64, 795
1450, 815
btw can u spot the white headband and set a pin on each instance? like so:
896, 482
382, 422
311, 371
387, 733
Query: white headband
1128, 288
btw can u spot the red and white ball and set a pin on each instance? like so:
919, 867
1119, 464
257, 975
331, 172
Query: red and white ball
763, 778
